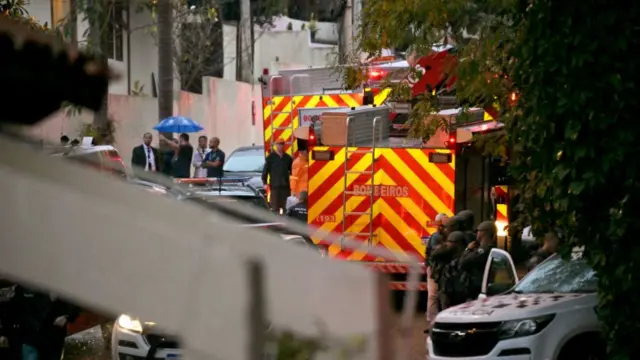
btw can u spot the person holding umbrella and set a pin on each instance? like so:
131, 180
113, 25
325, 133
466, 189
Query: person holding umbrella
181, 165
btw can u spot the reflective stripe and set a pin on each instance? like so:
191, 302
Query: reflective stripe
409, 193
284, 110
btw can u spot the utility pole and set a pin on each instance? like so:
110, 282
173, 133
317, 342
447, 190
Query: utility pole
244, 55
165, 60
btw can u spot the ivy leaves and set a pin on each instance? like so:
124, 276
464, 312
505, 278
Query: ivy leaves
576, 131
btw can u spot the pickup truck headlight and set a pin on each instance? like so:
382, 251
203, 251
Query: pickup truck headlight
524, 327
129, 323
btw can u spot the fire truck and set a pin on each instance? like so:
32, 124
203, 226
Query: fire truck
369, 183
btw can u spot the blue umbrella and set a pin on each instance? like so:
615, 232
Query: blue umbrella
178, 124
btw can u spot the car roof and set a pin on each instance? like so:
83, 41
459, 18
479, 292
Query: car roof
81, 150
245, 148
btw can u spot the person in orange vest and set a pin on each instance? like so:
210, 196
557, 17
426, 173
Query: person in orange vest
300, 173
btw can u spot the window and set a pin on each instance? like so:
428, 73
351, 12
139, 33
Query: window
115, 37
500, 278
559, 276
59, 10
251, 160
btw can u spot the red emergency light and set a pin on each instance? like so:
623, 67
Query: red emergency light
451, 142
312, 139
376, 74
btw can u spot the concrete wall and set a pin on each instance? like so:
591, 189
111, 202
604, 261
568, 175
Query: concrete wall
224, 110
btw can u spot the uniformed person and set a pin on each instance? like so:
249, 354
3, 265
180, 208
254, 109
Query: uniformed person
465, 224
450, 290
299, 210
474, 258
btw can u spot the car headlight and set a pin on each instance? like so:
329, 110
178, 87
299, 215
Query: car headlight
524, 327
129, 323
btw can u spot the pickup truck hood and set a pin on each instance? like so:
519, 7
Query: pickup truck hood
514, 306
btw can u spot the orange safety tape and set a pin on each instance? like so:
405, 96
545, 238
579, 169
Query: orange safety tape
399, 285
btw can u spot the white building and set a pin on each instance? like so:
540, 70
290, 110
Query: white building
134, 52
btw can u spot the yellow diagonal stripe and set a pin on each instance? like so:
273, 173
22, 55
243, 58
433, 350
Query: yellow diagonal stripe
386, 241
329, 101
349, 100
407, 232
381, 97
433, 170
275, 101
415, 211
453, 157
416, 182
351, 204
337, 188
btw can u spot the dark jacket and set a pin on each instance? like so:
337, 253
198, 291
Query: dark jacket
298, 212
277, 170
36, 314
167, 162
434, 241
9, 321
472, 264
139, 157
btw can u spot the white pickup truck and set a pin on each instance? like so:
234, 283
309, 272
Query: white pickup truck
548, 315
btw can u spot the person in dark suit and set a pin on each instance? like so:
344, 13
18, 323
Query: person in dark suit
145, 157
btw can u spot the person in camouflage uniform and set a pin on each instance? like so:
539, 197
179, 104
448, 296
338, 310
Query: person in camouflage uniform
465, 224
450, 291
474, 259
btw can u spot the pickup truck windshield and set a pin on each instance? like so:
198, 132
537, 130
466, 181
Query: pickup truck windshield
559, 276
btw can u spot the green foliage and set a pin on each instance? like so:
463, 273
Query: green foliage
16, 9
313, 24
576, 138
103, 135
138, 89
289, 26
573, 131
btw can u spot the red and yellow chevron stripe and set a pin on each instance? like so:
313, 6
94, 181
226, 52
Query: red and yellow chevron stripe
502, 210
409, 192
282, 112
397, 268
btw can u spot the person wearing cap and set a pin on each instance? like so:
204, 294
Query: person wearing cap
276, 173
474, 258
450, 290
465, 224
435, 240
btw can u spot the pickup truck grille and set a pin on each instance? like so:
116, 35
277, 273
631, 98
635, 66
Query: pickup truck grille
161, 341
464, 340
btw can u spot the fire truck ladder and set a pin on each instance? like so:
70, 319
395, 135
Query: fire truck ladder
345, 192
286, 111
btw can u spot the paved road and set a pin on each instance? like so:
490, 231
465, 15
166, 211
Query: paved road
88, 345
